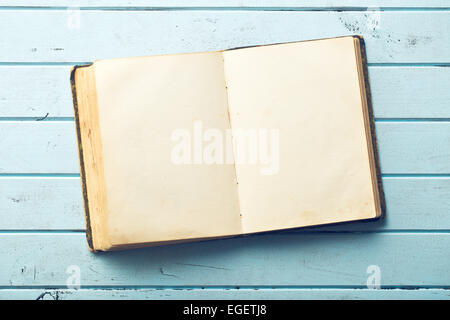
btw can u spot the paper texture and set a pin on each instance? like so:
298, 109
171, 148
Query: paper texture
141, 101
310, 92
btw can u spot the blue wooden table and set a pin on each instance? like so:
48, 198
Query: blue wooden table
42, 239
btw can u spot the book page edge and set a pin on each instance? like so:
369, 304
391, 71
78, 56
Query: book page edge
97, 239
369, 124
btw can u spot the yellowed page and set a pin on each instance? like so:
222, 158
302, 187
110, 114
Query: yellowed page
141, 102
309, 91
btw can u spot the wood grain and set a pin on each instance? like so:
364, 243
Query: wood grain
50, 36
41, 218
50, 147
53, 203
325, 259
41, 203
397, 92
257, 4
222, 294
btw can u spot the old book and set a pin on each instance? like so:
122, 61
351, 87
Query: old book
203, 145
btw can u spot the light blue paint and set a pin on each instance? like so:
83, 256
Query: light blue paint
406, 147
29, 92
215, 293
41, 217
55, 203
106, 34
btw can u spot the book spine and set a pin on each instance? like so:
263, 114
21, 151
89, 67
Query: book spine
80, 153
372, 125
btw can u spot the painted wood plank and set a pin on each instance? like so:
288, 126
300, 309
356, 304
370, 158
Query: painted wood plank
408, 147
41, 203
397, 92
417, 259
56, 204
220, 294
38, 147
50, 147
35, 91
411, 203
49, 35
419, 92
232, 3
404, 259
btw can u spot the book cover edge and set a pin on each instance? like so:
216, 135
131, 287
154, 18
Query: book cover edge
371, 121
372, 127
81, 159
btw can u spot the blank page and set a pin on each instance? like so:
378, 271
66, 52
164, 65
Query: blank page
310, 92
141, 102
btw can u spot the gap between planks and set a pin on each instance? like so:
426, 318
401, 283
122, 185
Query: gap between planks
226, 8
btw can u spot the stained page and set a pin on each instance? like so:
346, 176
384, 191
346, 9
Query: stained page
307, 94
147, 107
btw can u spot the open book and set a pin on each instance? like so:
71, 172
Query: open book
204, 145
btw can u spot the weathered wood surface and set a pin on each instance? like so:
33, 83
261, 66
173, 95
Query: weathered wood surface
55, 203
397, 92
52, 36
50, 147
256, 4
223, 294
405, 259
41, 214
